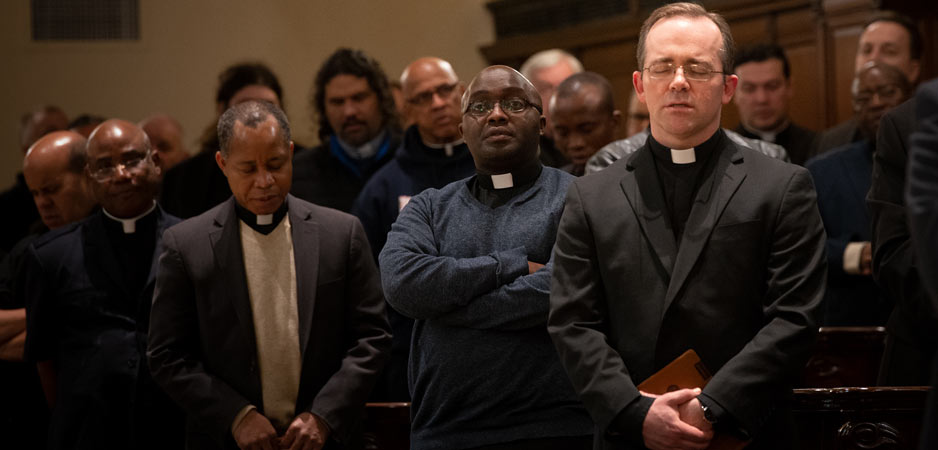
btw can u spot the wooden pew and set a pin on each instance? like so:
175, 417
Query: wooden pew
387, 426
874, 418
845, 356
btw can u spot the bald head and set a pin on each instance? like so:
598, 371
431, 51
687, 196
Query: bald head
166, 137
495, 75
431, 92
53, 169
40, 122
878, 88
504, 123
123, 170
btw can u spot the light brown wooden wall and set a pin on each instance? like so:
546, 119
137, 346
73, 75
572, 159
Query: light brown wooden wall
819, 36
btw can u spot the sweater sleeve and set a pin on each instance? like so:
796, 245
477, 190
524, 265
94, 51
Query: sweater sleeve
421, 284
523, 303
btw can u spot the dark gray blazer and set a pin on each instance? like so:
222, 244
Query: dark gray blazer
202, 345
743, 289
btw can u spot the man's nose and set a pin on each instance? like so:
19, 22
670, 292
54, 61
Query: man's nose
678, 82
498, 114
263, 179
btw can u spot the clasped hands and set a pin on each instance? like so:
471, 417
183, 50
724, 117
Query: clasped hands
676, 421
306, 432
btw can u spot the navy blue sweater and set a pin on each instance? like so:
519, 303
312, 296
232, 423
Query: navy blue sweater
482, 367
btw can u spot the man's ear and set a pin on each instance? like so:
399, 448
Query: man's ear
220, 160
639, 85
729, 87
542, 124
155, 158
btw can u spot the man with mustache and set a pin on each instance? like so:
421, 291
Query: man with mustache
431, 155
691, 242
358, 128
88, 288
471, 264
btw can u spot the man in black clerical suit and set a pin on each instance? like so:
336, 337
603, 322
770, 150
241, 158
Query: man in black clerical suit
693, 242
268, 322
88, 288
763, 100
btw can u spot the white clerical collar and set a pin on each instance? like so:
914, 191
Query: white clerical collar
768, 135
366, 150
265, 219
130, 225
503, 181
686, 156
447, 147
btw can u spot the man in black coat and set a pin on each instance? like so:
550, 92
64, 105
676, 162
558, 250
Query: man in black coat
694, 243
88, 288
268, 321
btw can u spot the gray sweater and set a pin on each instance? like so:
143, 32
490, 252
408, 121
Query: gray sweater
482, 368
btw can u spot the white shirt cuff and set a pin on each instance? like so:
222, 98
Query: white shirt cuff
237, 420
852, 255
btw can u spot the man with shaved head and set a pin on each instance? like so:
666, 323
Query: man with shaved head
584, 118
843, 177
471, 263
88, 289
16, 202
54, 171
165, 135
432, 155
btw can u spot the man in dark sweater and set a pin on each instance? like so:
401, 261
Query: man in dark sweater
432, 155
471, 263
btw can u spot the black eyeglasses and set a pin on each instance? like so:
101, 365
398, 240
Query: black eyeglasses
513, 105
444, 91
131, 162
692, 71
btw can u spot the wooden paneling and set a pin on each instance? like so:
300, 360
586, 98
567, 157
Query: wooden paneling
819, 36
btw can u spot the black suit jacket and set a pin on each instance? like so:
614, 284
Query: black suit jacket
922, 196
82, 317
894, 261
800, 143
202, 344
743, 289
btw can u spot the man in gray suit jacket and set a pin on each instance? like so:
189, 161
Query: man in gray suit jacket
693, 242
268, 322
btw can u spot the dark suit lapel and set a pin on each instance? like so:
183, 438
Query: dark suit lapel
163, 222
100, 258
306, 262
714, 194
644, 195
229, 258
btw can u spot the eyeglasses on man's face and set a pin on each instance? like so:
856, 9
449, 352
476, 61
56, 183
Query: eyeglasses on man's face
444, 91
103, 170
692, 71
512, 105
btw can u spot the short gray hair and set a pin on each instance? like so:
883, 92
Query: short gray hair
250, 114
549, 58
